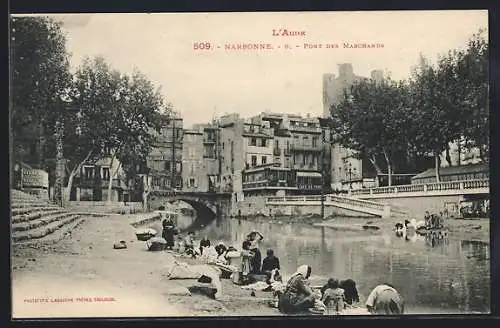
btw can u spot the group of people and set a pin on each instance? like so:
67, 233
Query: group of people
334, 297
297, 295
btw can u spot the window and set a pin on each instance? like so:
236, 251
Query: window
167, 166
263, 143
253, 142
222, 146
264, 159
254, 160
178, 167
287, 162
303, 159
105, 173
192, 182
88, 172
315, 141
276, 144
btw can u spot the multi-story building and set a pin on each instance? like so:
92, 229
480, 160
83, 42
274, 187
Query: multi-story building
164, 162
200, 158
346, 167
92, 182
292, 155
192, 160
232, 156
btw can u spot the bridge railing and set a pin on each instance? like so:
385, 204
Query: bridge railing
428, 187
357, 202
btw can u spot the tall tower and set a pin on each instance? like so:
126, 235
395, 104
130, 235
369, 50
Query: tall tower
329, 93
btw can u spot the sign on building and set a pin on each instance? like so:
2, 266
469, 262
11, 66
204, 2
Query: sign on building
34, 178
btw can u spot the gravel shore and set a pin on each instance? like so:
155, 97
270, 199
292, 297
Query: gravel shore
49, 280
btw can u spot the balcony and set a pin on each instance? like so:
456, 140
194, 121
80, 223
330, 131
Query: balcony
277, 152
209, 140
266, 184
307, 129
307, 148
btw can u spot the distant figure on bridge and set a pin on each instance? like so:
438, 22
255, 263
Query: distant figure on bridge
168, 232
385, 299
270, 263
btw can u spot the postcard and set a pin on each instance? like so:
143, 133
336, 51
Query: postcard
249, 164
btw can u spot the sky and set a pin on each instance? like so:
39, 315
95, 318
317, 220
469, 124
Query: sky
203, 83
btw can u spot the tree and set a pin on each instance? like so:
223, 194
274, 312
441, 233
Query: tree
140, 115
472, 70
372, 119
431, 108
118, 118
95, 95
450, 101
40, 79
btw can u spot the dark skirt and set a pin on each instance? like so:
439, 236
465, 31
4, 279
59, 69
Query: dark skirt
168, 235
256, 261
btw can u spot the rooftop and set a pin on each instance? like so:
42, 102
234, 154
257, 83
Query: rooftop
454, 170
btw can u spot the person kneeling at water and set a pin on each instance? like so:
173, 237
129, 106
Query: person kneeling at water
385, 299
333, 297
270, 263
298, 295
350, 291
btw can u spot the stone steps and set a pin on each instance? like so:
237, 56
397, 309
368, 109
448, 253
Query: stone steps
44, 230
35, 215
28, 210
35, 220
24, 205
43, 220
56, 236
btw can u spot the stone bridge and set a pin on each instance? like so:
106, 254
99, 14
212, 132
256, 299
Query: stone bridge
205, 203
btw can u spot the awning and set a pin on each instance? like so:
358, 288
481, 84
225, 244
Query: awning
309, 174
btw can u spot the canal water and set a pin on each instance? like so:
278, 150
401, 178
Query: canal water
434, 276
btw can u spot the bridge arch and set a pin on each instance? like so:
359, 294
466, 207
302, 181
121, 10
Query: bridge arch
208, 206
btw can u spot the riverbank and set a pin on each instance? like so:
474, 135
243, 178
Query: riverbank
465, 229
85, 266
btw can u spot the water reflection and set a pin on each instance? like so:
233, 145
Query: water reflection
433, 272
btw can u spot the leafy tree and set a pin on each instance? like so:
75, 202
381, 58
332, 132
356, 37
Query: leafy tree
472, 69
141, 116
118, 118
372, 119
450, 101
95, 95
40, 77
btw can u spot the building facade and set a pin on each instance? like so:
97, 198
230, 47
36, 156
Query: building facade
285, 155
164, 163
200, 158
